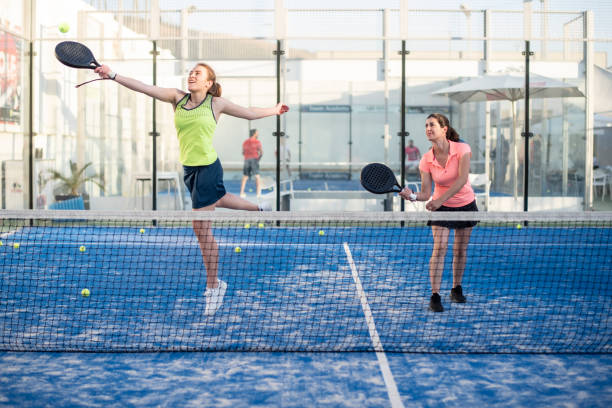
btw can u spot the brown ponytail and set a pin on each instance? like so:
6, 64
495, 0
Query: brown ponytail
451, 134
215, 89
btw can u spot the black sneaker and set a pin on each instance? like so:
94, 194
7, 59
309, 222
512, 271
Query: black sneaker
456, 295
435, 304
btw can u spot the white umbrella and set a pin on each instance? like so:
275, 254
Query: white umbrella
510, 87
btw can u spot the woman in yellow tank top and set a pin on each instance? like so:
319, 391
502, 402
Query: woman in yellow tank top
196, 113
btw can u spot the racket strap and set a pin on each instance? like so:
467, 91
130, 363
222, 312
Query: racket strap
97, 79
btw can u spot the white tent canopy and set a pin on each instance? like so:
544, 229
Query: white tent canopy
510, 87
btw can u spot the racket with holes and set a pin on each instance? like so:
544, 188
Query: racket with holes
76, 55
380, 179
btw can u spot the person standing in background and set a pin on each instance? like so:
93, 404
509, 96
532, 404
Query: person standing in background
252, 152
413, 157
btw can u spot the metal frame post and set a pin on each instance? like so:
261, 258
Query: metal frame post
589, 109
154, 132
526, 134
403, 132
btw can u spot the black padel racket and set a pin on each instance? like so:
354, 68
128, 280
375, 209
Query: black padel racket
380, 179
76, 55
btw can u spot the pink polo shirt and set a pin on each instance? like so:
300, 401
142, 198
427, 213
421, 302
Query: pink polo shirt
444, 177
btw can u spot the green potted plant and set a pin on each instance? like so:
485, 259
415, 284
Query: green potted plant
72, 185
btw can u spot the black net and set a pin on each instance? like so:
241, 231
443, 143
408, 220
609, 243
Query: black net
86, 281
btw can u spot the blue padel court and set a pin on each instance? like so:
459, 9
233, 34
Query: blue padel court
323, 287
303, 380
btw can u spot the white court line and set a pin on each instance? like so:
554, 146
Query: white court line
8, 233
392, 391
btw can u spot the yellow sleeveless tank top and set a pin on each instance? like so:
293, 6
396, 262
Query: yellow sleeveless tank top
195, 129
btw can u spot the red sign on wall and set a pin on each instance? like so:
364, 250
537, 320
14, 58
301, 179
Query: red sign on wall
10, 79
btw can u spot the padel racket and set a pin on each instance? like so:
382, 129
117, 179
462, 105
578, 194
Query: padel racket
380, 179
76, 55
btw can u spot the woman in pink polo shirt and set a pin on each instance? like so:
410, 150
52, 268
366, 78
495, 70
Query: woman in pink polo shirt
447, 164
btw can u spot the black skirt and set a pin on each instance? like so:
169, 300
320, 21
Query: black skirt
456, 224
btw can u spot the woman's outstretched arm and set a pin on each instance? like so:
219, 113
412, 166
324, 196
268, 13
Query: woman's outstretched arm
170, 95
222, 105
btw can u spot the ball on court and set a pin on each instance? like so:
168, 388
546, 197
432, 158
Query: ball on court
261, 225
237, 250
247, 226
85, 292
82, 248
519, 226
142, 230
321, 232
64, 27
16, 245
1, 243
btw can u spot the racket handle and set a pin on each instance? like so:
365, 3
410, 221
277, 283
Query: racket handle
98, 79
412, 197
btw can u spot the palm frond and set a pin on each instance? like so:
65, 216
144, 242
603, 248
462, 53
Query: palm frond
76, 179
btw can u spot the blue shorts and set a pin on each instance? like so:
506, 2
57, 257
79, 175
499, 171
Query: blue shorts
205, 184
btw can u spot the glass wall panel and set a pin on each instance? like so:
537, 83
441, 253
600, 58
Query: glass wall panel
14, 117
108, 127
232, 132
557, 148
603, 113
348, 107
100, 127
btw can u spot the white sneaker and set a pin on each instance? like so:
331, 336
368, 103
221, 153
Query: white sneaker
265, 206
242, 195
214, 298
